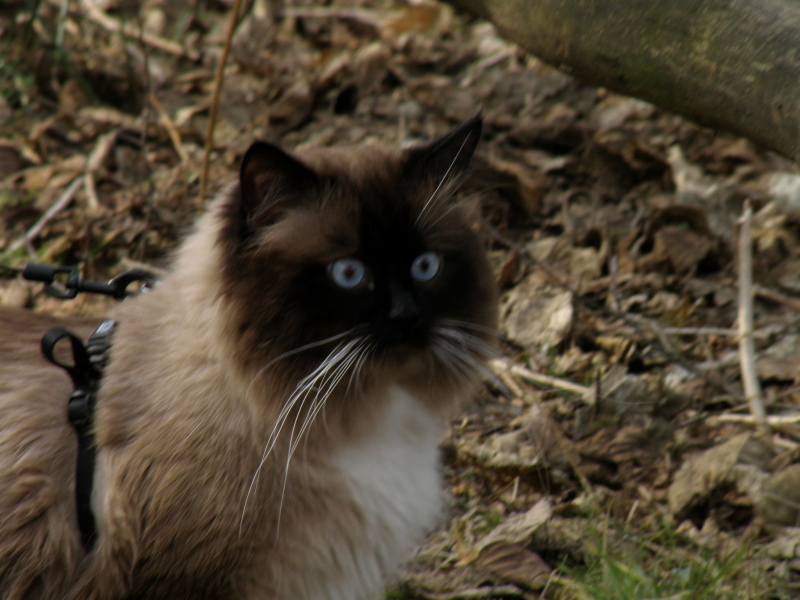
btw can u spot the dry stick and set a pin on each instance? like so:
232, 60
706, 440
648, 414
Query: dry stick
776, 297
772, 420
587, 394
752, 389
721, 331
97, 157
764, 332
165, 45
212, 116
60, 205
365, 17
169, 125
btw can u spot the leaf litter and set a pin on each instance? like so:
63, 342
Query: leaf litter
612, 225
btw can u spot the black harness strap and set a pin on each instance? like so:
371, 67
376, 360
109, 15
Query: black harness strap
85, 372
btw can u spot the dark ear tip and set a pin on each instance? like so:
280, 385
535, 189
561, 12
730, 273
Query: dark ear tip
267, 170
476, 120
257, 148
472, 125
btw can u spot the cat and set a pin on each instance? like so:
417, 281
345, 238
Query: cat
267, 425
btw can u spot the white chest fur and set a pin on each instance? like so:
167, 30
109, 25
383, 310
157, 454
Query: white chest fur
394, 476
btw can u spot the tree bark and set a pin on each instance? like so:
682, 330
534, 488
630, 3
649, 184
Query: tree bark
729, 64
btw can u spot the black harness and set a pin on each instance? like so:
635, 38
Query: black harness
86, 369
85, 372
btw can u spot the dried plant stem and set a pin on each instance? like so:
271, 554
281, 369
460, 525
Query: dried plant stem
169, 125
752, 389
776, 297
587, 394
212, 115
110, 24
60, 205
772, 420
721, 331
103, 147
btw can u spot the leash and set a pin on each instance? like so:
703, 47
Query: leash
86, 370
65, 283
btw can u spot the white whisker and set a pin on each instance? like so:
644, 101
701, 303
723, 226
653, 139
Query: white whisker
446, 173
333, 338
453, 207
321, 397
466, 324
462, 352
302, 391
330, 376
469, 342
364, 352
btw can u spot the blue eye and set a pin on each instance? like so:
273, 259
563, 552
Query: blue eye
426, 266
347, 273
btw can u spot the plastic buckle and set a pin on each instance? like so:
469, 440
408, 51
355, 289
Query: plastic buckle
79, 408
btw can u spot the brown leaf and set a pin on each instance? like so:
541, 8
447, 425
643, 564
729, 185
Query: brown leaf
519, 528
516, 564
533, 316
779, 503
508, 270
11, 158
702, 473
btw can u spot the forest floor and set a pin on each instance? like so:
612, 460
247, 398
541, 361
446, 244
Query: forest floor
613, 454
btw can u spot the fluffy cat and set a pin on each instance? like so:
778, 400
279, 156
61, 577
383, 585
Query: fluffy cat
267, 426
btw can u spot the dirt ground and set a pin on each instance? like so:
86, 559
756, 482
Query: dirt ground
613, 453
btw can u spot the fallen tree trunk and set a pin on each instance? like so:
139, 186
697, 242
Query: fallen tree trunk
730, 64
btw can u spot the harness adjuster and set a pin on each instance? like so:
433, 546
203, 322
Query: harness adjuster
80, 408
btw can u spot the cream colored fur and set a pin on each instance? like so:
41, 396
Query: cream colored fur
191, 500
181, 431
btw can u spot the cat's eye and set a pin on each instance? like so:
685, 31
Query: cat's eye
426, 266
347, 273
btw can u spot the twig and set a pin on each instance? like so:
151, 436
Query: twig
364, 17
776, 297
212, 116
771, 420
62, 203
747, 353
97, 157
700, 331
503, 365
169, 125
111, 24
764, 332
512, 385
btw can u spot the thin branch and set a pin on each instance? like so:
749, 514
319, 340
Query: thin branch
99, 154
367, 18
587, 394
111, 24
212, 116
771, 420
169, 125
752, 389
776, 297
60, 205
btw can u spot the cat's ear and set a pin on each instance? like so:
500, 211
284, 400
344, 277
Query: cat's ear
447, 156
269, 180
